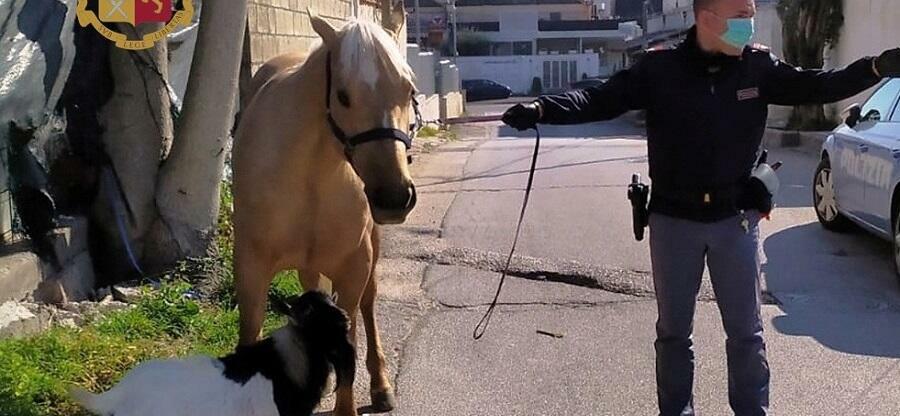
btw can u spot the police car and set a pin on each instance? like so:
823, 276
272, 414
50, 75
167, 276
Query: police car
857, 178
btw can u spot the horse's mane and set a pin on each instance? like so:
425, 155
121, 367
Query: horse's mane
365, 45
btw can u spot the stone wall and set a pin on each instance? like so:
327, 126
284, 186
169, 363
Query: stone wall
279, 26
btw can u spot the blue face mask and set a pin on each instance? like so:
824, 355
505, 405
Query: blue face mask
739, 32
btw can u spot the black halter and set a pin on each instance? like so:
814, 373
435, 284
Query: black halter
383, 133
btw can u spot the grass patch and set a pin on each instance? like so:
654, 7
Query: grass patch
35, 372
429, 131
169, 322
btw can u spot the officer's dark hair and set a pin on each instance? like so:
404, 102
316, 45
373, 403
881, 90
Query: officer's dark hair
703, 4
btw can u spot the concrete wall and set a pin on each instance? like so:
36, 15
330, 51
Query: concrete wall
671, 5
870, 26
769, 33
675, 19
423, 65
279, 26
534, 11
768, 27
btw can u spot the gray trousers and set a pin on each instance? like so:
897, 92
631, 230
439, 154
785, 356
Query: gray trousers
678, 250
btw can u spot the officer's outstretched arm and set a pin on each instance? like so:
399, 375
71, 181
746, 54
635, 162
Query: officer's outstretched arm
784, 84
625, 91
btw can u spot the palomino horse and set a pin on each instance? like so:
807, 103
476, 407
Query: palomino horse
320, 159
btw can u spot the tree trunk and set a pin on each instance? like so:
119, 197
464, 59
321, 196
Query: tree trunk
137, 132
188, 189
810, 27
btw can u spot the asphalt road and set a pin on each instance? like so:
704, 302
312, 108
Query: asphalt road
833, 322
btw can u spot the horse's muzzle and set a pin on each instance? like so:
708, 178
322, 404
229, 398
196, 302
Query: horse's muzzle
391, 206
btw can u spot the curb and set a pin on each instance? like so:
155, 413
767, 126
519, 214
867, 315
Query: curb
809, 142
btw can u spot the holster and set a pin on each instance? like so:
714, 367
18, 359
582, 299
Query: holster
639, 195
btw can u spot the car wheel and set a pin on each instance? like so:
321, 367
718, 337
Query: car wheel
825, 199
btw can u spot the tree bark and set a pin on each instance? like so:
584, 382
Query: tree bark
188, 189
137, 131
810, 27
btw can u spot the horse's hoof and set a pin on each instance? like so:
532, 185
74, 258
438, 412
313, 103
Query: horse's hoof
383, 401
344, 412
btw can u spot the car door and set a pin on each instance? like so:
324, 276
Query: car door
881, 132
854, 146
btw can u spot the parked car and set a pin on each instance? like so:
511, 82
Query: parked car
856, 181
587, 83
485, 89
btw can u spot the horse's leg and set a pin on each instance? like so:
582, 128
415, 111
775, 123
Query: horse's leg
349, 283
382, 392
252, 278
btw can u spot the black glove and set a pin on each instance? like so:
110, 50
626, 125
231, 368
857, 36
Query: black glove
756, 196
888, 64
522, 116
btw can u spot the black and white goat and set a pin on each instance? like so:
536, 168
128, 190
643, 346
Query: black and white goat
282, 375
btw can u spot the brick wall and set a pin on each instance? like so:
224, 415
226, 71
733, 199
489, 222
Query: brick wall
279, 26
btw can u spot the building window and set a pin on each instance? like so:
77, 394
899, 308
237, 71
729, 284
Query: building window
501, 49
573, 71
555, 16
522, 48
555, 82
546, 77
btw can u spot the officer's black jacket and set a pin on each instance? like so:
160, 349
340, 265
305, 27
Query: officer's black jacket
706, 116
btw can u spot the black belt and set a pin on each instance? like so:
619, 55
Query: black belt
705, 196
701, 204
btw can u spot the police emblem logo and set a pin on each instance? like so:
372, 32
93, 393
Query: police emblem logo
748, 94
106, 16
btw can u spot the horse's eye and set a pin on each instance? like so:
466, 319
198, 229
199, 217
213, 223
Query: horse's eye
343, 98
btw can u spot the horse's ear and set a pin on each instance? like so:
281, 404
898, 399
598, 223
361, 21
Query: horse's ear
325, 30
397, 19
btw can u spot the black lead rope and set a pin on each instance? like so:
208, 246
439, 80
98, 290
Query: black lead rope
481, 328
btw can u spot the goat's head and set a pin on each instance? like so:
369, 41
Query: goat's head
323, 326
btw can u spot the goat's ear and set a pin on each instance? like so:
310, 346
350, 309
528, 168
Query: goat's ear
324, 29
281, 307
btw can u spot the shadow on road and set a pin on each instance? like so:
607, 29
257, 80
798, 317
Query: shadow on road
487, 175
838, 289
796, 178
364, 410
594, 131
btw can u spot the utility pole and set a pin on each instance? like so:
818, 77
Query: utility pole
418, 24
645, 18
452, 9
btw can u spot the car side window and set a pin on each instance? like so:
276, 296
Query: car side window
895, 118
879, 106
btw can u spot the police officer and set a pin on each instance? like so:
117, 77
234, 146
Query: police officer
706, 104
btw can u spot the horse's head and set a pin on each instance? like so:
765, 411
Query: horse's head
371, 88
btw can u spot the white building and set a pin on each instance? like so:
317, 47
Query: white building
558, 41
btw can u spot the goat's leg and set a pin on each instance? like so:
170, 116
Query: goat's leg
349, 283
382, 392
252, 278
